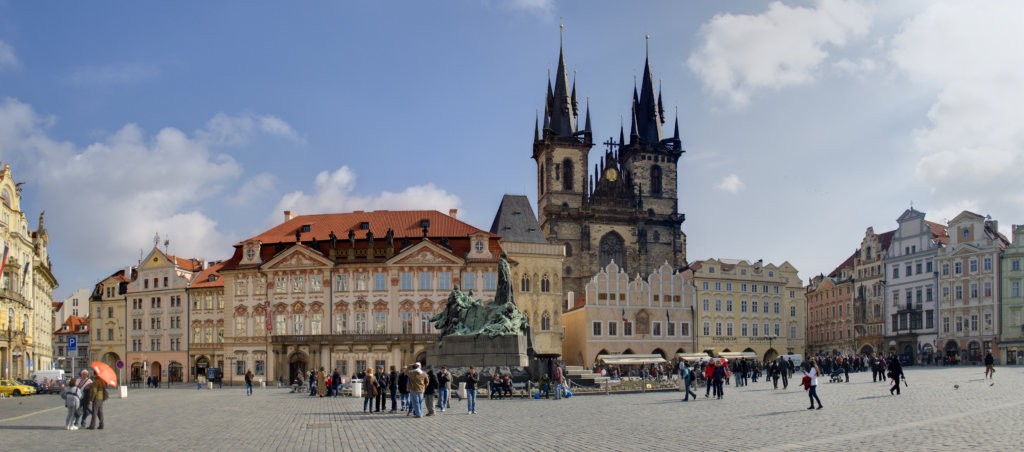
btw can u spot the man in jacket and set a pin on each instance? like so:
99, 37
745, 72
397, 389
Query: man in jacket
97, 395
444, 380
471, 381
403, 389
383, 384
85, 384
417, 385
431, 391
393, 388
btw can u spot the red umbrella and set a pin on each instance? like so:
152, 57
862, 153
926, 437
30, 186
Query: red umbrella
105, 373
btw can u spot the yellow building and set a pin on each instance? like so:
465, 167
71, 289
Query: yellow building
744, 307
26, 289
108, 305
619, 315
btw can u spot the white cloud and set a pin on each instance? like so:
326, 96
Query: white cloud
783, 46
731, 184
254, 188
335, 192
227, 130
8, 59
543, 8
113, 73
972, 152
856, 68
106, 200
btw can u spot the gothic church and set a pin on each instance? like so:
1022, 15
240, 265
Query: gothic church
627, 210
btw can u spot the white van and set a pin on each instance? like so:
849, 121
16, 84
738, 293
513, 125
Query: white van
53, 375
798, 360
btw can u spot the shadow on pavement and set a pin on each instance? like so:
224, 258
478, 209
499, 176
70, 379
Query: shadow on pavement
29, 427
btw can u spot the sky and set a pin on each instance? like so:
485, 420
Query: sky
804, 122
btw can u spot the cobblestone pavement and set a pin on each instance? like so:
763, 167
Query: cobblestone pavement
929, 415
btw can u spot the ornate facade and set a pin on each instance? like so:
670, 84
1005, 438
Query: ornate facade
26, 288
830, 311
869, 291
622, 315
627, 211
744, 307
1012, 338
306, 298
108, 305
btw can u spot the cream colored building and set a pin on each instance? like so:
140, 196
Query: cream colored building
26, 288
108, 305
622, 315
749, 307
536, 272
207, 327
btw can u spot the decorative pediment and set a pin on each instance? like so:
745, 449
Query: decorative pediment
361, 305
295, 257
966, 248
155, 259
208, 323
407, 305
298, 307
316, 306
220, 322
258, 310
280, 308
425, 253
341, 306
426, 305
241, 310
380, 305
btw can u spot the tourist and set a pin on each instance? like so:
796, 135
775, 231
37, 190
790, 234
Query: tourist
382, 389
393, 388
321, 382
72, 396
312, 383
773, 373
811, 372
430, 392
558, 379
403, 389
248, 382
97, 395
686, 375
85, 385
336, 381
718, 375
471, 381
417, 386
895, 373
369, 391
990, 369
444, 382
786, 371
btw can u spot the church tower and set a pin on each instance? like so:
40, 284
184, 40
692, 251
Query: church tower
626, 211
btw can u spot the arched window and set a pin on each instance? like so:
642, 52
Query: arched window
545, 284
567, 175
612, 248
524, 284
656, 180
545, 322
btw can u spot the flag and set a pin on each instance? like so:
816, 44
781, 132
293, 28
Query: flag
269, 321
24, 274
3, 263
667, 318
624, 319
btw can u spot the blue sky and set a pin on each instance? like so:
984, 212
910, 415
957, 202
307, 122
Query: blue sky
805, 122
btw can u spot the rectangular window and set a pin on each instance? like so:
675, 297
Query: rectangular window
945, 269
777, 329
792, 332
627, 328
928, 293
707, 328
425, 281
597, 329
1015, 289
918, 268
718, 286
406, 322
765, 330
316, 322
988, 288
490, 281
671, 328
753, 329
988, 321
705, 285
973, 265
361, 323
776, 307
753, 306
929, 319
260, 367
684, 329
468, 281
987, 264
959, 291
728, 305
728, 287
110, 334
240, 367
945, 324
743, 305
380, 322
743, 287
718, 328
240, 326
928, 266
613, 328
718, 305
959, 324
974, 322
728, 329
707, 305
361, 282
764, 288
425, 327
908, 270
1015, 265
341, 323
340, 283
380, 282
743, 329
444, 281
656, 328
958, 267
405, 279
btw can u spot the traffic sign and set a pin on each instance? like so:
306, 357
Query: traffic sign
72, 343
120, 364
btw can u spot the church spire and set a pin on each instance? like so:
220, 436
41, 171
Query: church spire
648, 114
586, 126
536, 126
676, 135
561, 114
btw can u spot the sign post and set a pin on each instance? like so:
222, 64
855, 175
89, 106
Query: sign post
73, 347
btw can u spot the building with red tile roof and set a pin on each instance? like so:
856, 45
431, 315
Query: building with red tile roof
344, 290
72, 361
109, 319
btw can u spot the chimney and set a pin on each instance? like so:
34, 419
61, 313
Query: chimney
454, 213
288, 215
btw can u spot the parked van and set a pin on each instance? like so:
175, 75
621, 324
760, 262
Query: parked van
53, 375
798, 360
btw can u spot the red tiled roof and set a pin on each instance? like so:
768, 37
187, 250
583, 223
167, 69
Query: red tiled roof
73, 323
192, 265
848, 263
203, 280
885, 239
56, 305
939, 232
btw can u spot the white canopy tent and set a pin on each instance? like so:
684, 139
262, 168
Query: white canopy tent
621, 360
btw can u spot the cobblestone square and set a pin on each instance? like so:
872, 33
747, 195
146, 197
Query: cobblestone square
931, 414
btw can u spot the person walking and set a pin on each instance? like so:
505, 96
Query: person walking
773, 374
417, 386
687, 376
393, 388
990, 368
786, 371
370, 390
85, 385
709, 370
248, 382
72, 396
430, 392
718, 375
471, 381
336, 381
896, 373
97, 395
811, 371
444, 382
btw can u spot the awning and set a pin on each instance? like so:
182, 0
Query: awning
630, 359
739, 355
693, 356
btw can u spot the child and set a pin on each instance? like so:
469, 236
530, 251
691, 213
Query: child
72, 396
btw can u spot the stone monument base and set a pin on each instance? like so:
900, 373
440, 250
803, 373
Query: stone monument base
479, 351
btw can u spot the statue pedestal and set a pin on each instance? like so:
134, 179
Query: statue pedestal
479, 351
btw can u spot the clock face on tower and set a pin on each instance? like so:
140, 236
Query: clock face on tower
611, 174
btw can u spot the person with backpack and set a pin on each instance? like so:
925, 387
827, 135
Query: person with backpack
72, 396
687, 376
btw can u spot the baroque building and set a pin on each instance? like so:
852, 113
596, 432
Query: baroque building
108, 305
745, 307
627, 210
622, 315
348, 290
207, 322
536, 272
26, 287
869, 291
830, 311
1012, 338
969, 281
911, 287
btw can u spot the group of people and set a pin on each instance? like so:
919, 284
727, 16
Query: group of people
417, 389
83, 398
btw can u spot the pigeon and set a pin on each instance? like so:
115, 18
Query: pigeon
956, 387
991, 384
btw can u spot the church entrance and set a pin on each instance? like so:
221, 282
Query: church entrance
297, 366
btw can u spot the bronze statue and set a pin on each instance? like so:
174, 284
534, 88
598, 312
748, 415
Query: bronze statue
390, 238
464, 316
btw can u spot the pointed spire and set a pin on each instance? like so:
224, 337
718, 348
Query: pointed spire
648, 109
676, 135
661, 106
536, 127
634, 136
586, 127
561, 114
575, 102
622, 136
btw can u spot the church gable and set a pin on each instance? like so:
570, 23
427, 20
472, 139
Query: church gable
298, 256
425, 253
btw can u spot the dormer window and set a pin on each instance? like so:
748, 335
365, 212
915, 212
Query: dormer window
424, 223
364, 225
479, 246
212, 278
307, 228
